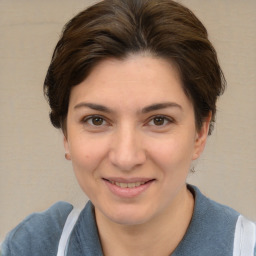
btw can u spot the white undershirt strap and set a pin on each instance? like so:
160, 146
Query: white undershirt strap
245, 237
68, 227
244, 241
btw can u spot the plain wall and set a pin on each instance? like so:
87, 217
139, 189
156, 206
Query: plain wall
33, 171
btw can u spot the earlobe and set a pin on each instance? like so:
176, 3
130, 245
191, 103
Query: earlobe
201, 137
67, 156
66, 146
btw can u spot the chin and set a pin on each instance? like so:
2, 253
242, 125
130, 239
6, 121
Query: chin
129, 220
129, 216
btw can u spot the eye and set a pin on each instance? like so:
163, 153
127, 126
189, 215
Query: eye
160, 121
94, 121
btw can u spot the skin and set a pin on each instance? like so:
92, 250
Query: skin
131, 120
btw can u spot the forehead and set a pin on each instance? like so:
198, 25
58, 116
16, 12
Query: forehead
136, 80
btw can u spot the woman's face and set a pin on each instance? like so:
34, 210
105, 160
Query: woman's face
131, 137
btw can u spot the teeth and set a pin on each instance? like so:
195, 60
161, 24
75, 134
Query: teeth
127, 185
123, 185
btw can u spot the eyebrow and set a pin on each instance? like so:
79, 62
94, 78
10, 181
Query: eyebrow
159, 106
93, 106
145, 110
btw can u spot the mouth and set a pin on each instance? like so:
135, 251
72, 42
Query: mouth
127, 184
128, 188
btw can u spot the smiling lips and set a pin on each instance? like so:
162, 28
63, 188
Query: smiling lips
127, 185
128, 188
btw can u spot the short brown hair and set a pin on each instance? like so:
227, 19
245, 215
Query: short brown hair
117, 28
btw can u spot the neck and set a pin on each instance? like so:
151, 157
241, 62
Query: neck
159, 236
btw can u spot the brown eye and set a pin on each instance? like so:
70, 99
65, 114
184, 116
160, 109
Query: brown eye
97, 121
94, 121
159, 120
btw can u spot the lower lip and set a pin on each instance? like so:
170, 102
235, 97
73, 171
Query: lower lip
128, 192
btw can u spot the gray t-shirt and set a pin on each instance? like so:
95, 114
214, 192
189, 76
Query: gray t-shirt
211, 232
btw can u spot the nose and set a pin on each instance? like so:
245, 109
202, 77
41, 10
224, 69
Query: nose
127, 151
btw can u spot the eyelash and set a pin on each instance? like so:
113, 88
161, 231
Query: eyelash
166, 120
89, 119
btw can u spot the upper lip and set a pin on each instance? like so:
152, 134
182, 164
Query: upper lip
128, 180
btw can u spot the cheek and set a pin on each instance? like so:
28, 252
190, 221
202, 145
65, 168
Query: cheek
86, 154
172, 153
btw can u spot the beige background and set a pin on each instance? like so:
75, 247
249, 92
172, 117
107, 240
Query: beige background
33, 171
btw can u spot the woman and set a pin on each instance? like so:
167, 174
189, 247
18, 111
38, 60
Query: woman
133, 85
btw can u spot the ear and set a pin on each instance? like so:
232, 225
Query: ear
66, 147
201, 137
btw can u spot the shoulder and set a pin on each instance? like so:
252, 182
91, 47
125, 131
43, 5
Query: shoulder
245, 237
209, 209
218, 228
39, 232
